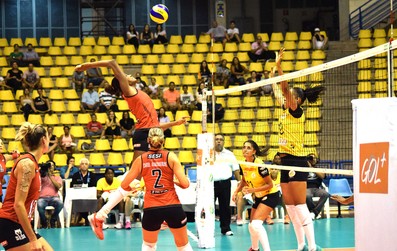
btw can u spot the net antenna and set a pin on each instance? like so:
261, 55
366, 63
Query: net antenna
390, 65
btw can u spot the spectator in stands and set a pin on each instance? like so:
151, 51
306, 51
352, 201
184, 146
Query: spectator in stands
267, 89
84, 178
314, 189
171, 100
94, 75
79, 81
105, 186
94, 127
70, 169
160, 36
219, 111
141, 85
232, 34
31, 57
50, 185
187, 100
16, 56
53, 144
259, 50
41, 102
14, 77
26, 104
30, 78
107, 102
133, 36
112, 127
222, 74
90, 99
3, 85
205, 72
127, 125
254, 78
147, 36
319, 41
199, 94
217, 32
67, 141
237, 72
154, 89
163, 119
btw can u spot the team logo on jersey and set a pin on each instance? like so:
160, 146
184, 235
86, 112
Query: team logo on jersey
155, 156
19, 235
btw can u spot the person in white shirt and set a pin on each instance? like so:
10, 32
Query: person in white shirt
224, 167
232, 34
187, 100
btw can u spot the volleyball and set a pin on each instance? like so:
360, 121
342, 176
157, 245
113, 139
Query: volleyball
159, 13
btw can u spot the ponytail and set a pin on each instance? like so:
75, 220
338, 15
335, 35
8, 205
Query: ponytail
31, 135
156, 138
311, 93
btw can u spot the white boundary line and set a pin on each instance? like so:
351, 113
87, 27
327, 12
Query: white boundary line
192, 236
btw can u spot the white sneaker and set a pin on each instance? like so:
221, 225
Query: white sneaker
313, 216
104, 226
228, 233
239, 222
119, 225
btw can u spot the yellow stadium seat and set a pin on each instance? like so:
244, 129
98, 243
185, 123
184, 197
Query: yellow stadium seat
62, 83
232, 47
247, 114
9, 107
144, 49
70, 94
31, 40
152, 59
138, 59
97, 159
216, 48
158, 49
190, 39
51, 119
210, 128
239, 140
174, 78
290, 45
316, 77
260, 139
194, 128
250, 102
4, 42
60, 41
74, 41
67, 119
202, 48
115, 50
17, 41
228, 128
287, 66
162, 69
231, 115
74, 106
187, 48
181, 113
77, 131
197, 58
274, 46
61, 61
6, 95
291, 36
105, 41
380, 40
3, 61
312, 125
244, 127
69, 51
35, 119
127, 49
115, 159
379, 33
305, 36
147, 69
58, 106
310, 139
60, 159
364, 75
300, 65
277, 37
189, 80
15, 145
176, 39
173, 48
228, 56
186, 156
243, 56
212, 58
80, 142
234, 102
380, 63
102, 145
364, 34
86, 50
122, 59
89, 41
313, 113
318, 55
55, 94
123, 105
204, 39
55, 72
120, 145
4, 121
17, 119
54, 51
262, 127
172, 143
189, 142
46, 61
157, 103
264, 36
168, 59
304, 45
128, 157
118, 41
248, 37
178, 130
256, 66
364, 43
99, 50
8, 133
76, 60
197, 116
380, 86
178, 69
83, 118
7, 51
364, 86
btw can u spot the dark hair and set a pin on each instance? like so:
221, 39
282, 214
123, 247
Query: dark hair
69, 158
31, 135
259, 152
232, 22
109, 169
311, 93
53, 162
114, 88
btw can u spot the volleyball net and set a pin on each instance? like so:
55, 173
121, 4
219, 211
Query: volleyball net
328, 124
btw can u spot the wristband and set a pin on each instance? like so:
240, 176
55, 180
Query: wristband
15, 155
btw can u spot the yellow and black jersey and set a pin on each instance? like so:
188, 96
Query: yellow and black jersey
254, 177
291, 126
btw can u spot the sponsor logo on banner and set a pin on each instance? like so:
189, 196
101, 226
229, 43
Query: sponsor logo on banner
374, 167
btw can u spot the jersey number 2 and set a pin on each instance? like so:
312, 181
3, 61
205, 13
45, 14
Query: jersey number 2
157, 172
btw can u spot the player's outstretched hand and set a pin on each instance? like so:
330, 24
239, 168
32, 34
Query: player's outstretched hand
183, 120
81, 67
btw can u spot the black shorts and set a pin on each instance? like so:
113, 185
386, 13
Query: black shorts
139, 139
154, 217
270, 200
12, 234
291, 160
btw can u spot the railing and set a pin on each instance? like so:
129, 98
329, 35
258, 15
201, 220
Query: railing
368, 15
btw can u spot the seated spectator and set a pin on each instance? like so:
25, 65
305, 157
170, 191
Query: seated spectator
268, 89
53, 144
41, 102
30, 78
259, 50
187, 100
154, 89
26, 104
147, 36
171, 101
222, 74
94, 75
314, 189
219, 111
133, 36
319, 41
217, 32
105, 186
31, 57
90, 99
255, 77
50, 185
66, 141
16, 56
164, 119
127, 125
79, 81
205, 72
237, 71
112, 127
107, 102
160, 36
14, 78
70, 169
232, 34
94, 127
199, 95
84, 178
140, 84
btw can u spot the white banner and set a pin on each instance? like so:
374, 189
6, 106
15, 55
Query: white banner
375, 172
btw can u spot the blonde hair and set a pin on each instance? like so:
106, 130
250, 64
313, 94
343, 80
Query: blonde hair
156, 137
31, 134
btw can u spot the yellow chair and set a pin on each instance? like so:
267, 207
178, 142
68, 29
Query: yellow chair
379, 33
234, 102
197, 116
248, 37
17, 119
260, 139
189, 142
56, 94
8, 133
62, 82
202, 48
264, 36
304, 45
122, 59
274, 46
318, 55
76, 60
181, 113
380, 74
115, 159
86, 50
6, 95
61, 61
228, 128
300, 65
147, 69
128, 158
290, 45
212, 58
97, 159
3, 61
228, 56
60, 41
80, 142
35, 119
9, 107
305, 36
128, 49
74, 106
190, 39
232, 47
239, 140
7, 51
194, 128
69, 51
187, 48
58, 106
364, 75
83, 118
242, 56
217, 48
380, 63
302, 55
277, 37
99, 50
114, 50
291, 36
157, 103
162, 69
262, 127
189, 80
54, 51
17, 41
364, 43
247, 114
15, 145
44, 42
178, 69
4, 42
186, 156
138, 59
46, 61
104, 41
231, 115
55, 72
379, 41
227, 141
244, 127
204, 39
380, 86
67, 119
313, 113
364, 86
312, 125
172, 143
120, 145
174, 78
197, 58
256, 66
158, 49
287, 66
74, 41
102, 145
173, 48
364, 34
152, 59
77, 131
51, 119
89, 41
178, 130
4, 121
144, 49
176, 39
60, 159
118, 41
167, 59
123, 105
70, 94
310, 139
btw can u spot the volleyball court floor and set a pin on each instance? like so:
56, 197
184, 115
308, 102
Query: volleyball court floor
334, 234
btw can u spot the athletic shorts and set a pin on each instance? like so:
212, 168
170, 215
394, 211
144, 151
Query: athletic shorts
291, 160
154, 217
12, 234
139, 139
270, 200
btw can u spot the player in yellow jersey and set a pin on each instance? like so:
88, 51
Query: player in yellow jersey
293, 184
256, 180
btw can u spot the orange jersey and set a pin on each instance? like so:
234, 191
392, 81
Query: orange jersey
143, 109
3, 169
159, 180
8, 211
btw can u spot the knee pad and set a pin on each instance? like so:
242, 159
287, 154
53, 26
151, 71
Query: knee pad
303, 214
146, 246
187, 247
257, 225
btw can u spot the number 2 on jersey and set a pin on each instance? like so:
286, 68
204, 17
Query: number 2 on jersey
157, 172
